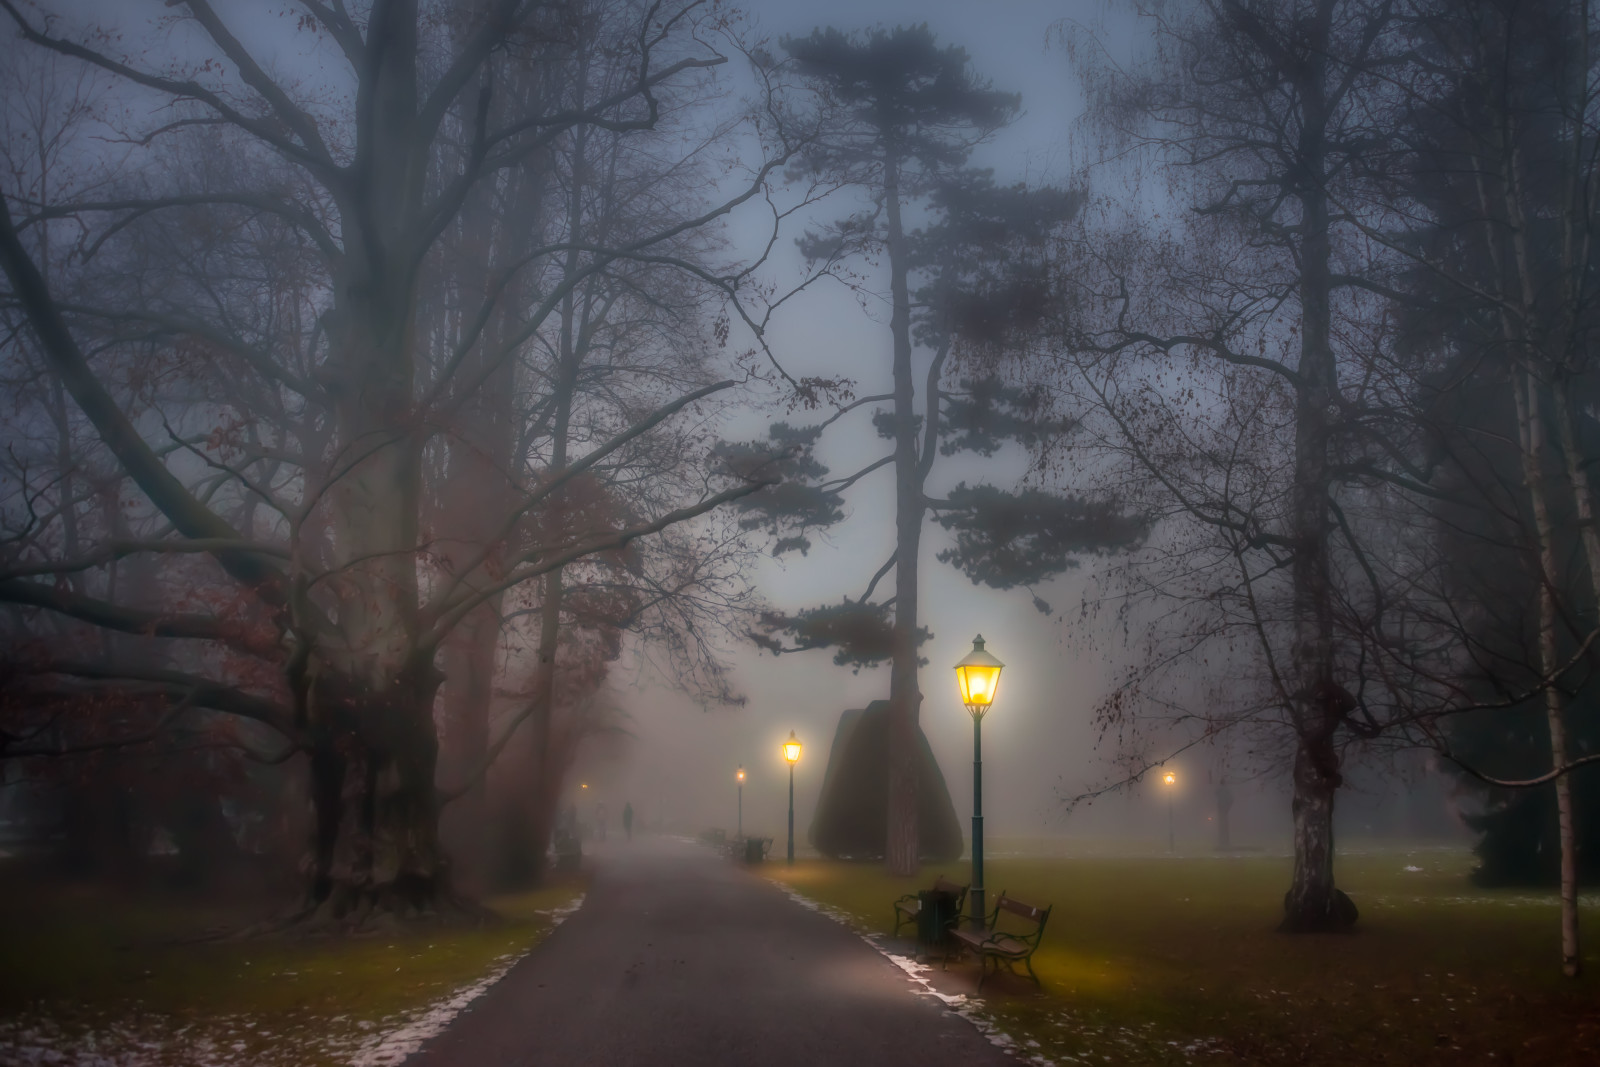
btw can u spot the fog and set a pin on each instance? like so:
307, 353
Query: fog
451, 451
1159, 619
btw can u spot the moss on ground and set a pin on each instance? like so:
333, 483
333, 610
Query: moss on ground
84, 975
1163, 960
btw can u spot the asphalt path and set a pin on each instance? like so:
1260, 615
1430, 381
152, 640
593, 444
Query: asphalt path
680, 957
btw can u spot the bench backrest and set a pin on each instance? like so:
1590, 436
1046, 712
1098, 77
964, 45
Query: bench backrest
1010, 905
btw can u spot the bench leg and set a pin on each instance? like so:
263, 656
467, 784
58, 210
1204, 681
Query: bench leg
1027, 961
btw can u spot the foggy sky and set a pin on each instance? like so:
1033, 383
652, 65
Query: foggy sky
1039, 741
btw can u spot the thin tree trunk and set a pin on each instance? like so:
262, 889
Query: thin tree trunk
902, 845
469, 667
1531, 430
548, 770
1224, 807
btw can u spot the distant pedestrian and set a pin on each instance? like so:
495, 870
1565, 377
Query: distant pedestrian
627, 820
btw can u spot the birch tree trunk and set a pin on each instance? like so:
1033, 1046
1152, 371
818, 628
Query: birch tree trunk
1530, 428
1526, 394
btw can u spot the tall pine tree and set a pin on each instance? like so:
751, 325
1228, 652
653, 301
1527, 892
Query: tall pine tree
902, 115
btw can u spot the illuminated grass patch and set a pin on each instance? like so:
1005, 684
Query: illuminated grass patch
1166, 960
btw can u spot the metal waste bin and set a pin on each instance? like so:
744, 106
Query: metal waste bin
754, 850
936, 914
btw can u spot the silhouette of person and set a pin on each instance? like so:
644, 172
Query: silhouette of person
627, 820
600, 821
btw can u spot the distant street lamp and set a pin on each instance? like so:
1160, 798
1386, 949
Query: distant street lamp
740, 831
791, 752
978, 676
1171, 780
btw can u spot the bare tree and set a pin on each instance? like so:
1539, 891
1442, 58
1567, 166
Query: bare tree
1241, 321
339, 571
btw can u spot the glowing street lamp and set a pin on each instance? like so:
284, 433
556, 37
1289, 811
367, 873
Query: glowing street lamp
1170, 780
978, 677
740, 831
791, 752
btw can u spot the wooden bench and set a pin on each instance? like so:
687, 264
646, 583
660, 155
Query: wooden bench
739, 848
908, 907
1004, 946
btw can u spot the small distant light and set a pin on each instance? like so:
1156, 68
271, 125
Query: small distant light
1170, 778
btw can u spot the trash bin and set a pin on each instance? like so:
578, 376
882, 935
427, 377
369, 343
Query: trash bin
936, 914
754, 850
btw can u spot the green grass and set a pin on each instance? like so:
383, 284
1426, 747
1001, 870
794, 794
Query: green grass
1145, 957
81, 969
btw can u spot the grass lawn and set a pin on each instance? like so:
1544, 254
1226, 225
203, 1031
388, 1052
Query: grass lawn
100, 979
1166, 960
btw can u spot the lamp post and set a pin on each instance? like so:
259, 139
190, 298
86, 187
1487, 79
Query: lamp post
1171, 780
791, 752
740, 831
978, 676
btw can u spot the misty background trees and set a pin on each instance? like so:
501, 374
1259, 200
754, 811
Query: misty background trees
1277, 364
369, 402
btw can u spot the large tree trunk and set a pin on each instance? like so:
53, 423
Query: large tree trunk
1312, 902
905, 698
376, 844
371, 687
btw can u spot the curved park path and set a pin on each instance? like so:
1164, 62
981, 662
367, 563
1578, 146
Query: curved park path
680, 957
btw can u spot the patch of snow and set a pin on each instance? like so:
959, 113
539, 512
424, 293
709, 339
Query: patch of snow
394, 1046
153, 1039
969, 1008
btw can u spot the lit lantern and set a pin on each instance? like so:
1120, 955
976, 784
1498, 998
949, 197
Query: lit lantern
791, 748
978, 675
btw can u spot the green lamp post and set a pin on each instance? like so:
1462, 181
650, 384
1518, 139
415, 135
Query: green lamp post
978, 676
791, 753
